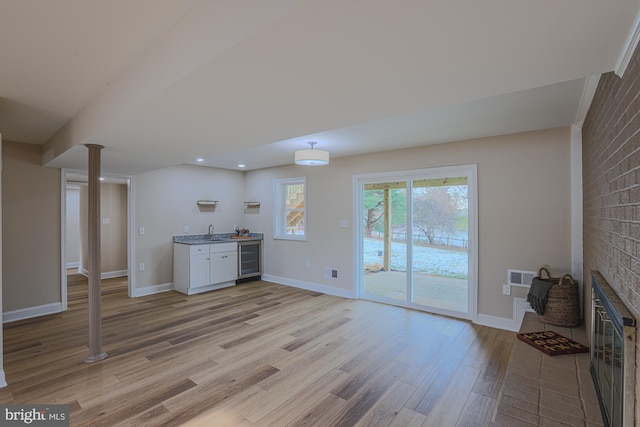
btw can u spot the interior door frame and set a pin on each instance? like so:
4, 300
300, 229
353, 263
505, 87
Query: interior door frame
131, 260
471, 172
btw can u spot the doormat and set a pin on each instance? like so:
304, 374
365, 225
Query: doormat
552, 344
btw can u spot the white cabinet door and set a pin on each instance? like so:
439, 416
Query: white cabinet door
199, 270
231, 266
224, 267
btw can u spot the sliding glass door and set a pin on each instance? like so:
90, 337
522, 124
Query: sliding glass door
417, 242
440, 243
385, 211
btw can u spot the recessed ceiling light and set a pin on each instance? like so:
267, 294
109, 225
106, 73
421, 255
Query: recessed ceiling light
101, 178
242, 165
199, 159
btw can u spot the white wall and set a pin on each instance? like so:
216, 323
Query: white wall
73, 226
113, 229
31, 239
524, 210
165, 202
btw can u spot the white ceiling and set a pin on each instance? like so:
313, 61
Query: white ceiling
162, 82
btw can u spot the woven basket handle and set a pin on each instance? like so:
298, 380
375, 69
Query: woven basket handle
570, 279
543, 269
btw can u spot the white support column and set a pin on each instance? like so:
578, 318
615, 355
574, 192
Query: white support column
95, 317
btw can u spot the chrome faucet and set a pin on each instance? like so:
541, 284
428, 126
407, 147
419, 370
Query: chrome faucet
210, 230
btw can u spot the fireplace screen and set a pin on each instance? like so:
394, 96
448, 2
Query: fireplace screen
612, 353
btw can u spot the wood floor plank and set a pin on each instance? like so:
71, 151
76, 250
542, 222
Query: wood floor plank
431, 389
324, 413
155, 416
408, 418
366, 372
218, 420
446, 411
218, 391
186, 348
294, 407
290, 383
477, 410
369, 395
314, 364
257, 354
389, 406
236, 406
229, 411
315, 332
131, 404
493, 373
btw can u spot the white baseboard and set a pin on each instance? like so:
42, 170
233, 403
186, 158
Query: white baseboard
310, 286
3, 379
497, 322
150, 290
29, 312
75, 264
520, 306
118, 273
106, 274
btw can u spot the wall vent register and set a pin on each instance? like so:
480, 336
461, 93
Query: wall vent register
520, 277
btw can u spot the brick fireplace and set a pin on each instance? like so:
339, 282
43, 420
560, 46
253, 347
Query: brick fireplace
611, 192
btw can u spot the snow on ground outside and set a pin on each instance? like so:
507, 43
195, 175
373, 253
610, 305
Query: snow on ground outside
429, 260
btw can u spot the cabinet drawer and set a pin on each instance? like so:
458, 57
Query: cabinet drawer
199, 249
223, 247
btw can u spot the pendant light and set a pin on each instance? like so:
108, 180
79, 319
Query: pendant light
312, 157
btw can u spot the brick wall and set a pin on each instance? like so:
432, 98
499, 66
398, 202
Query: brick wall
611, 190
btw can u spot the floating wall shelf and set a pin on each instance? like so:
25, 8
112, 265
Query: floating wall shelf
207, 203
252, 204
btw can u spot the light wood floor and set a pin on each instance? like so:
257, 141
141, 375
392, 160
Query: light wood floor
258, 354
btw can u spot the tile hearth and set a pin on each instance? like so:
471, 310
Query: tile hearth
542, 390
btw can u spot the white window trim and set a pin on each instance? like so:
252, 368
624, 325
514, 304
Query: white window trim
278, 219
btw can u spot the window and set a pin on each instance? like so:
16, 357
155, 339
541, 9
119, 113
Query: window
291, 211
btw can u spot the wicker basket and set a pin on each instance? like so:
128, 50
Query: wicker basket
563, 304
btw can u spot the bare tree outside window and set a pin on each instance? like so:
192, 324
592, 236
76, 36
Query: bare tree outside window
436, 211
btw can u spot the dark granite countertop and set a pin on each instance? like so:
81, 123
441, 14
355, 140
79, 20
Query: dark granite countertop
206, 239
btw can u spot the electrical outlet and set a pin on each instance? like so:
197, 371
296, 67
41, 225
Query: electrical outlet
141, 266
140, 231
506, 289
185, 228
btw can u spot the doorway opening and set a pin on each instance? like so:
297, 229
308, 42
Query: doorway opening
116, 208
417, 243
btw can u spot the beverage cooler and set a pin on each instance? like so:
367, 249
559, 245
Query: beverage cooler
249, 260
